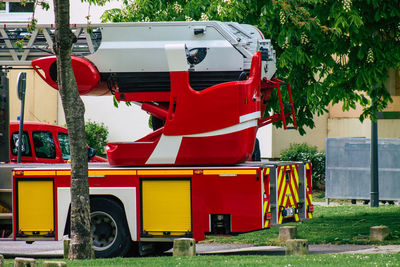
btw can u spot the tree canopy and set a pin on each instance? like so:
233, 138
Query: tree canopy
330, 51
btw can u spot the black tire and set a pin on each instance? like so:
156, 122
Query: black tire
110, 232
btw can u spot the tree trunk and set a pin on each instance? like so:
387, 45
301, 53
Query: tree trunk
74, 109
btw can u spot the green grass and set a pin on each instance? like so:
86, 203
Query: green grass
345, 224
309, 260
318, 196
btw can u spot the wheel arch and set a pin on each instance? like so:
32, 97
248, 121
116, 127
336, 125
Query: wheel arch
123, 196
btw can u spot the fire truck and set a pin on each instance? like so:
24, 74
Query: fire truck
206, 85
43, 143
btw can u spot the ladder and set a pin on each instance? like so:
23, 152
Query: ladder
19, 44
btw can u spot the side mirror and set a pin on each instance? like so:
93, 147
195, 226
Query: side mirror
91, 152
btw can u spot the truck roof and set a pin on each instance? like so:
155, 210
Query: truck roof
37, 125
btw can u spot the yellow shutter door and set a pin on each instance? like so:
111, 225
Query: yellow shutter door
166, 207
35, 206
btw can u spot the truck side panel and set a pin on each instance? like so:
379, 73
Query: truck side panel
35, 206
309, 206
266, 197
163, 203
288, 193
166, 207
226, 202
123, 189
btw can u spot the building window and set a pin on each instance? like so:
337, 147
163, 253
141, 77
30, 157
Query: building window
16, 11
15, 7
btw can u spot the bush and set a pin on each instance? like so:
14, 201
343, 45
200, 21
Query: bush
305, 152
96, 136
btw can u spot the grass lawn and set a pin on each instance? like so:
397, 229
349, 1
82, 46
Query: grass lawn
344, 224
318, 196
309, 260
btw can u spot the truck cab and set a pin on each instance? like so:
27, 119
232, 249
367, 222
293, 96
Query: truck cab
42, 143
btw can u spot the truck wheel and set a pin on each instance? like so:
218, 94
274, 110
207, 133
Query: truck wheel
110, 232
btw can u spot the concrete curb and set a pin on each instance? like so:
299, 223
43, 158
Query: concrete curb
376, 249
216, 248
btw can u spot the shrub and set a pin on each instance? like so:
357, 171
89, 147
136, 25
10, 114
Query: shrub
305, 152
96, 136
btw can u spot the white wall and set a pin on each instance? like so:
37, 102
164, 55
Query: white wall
124, 123
351, 127
264, 135
281, 139
78, 11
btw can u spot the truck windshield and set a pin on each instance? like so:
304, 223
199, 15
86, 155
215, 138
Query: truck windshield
64, 145
44, 144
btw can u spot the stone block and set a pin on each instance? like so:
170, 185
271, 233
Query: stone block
54, 264
378, 233
67, 242
287, 232
25, 262
184, 247
296, 247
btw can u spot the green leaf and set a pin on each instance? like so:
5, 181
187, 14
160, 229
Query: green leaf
377, 16
360, 53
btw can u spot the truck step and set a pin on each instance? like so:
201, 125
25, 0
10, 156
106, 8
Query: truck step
5, 190
4, 216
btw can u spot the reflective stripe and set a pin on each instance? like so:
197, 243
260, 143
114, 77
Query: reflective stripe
41, 173
112, 172
168, 146
288, 191
266, 198
250, 116
280, 186
165, 172
238, 172
102, 172
166, 150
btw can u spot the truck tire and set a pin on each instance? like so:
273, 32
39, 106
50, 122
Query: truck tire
110, 232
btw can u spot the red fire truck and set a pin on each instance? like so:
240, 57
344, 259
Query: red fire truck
150, 206
207, 86
43, 143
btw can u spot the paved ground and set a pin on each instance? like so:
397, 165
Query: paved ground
275, 250
53, 249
